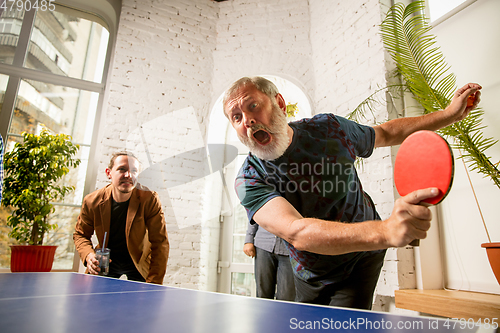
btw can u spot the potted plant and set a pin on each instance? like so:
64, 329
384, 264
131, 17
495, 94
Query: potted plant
423, 72
33, 170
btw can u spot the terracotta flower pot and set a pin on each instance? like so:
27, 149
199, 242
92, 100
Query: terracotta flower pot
493, 251
32, 258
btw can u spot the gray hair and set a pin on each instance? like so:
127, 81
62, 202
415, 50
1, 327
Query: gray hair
260, 83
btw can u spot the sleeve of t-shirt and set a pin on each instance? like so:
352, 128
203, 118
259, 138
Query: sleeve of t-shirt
251, 231
361, 136
253, 190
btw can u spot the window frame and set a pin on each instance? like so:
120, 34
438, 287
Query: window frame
104, 12
448, 14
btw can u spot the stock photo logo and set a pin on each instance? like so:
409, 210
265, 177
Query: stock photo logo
178, 165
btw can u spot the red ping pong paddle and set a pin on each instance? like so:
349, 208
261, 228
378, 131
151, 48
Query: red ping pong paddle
424, 160
471, 99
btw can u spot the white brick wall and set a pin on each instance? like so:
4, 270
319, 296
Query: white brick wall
349, 65
263, 38
181, 55
163, 64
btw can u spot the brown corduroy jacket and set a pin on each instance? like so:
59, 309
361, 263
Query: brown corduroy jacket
145, 230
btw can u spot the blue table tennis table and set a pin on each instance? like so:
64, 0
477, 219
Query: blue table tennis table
72, 302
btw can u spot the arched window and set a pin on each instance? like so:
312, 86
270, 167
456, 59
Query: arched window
237, 269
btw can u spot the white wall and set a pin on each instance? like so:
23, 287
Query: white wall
263, 38
161, 80
469, 41
349, 65
173, 60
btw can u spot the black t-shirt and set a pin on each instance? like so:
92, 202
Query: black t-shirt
316, 175
117, 240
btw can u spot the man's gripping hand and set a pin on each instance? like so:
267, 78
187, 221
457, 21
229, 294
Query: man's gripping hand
92, 264
409, 219
464, 100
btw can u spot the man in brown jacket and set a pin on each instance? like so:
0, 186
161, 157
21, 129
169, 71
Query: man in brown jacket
132, 218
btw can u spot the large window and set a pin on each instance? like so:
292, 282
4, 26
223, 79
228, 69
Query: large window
441, 9
52, 73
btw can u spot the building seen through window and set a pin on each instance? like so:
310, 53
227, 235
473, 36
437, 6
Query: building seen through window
51, 73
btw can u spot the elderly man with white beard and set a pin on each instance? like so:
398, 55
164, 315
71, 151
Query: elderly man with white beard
299, 183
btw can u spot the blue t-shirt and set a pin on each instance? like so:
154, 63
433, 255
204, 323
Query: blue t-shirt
316, 175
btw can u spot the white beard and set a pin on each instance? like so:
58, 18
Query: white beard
278, 129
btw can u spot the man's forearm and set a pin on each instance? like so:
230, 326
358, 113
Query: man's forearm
334, 238
158, 264
395, 131
84, 230
409, 220
83, 246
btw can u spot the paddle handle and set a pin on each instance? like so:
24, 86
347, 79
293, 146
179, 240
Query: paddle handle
416, 242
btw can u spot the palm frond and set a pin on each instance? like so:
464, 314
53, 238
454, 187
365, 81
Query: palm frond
378, 97
406, 36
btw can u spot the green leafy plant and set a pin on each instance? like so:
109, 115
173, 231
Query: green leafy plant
32, 171
291, 110
426, 75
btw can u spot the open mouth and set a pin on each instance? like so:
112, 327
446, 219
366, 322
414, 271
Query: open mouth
262, 137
